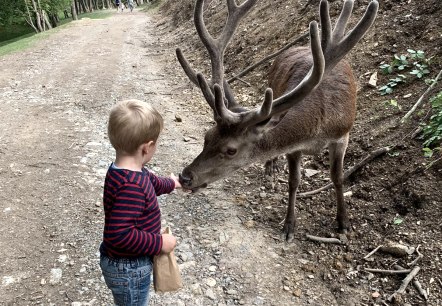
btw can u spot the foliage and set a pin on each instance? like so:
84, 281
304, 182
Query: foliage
432, 131
414, 63
393, 103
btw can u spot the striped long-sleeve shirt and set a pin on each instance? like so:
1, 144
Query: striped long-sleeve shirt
132, 214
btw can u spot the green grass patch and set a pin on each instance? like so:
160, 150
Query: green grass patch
22, 42
102, 14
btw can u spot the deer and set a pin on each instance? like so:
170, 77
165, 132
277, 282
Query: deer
310, 105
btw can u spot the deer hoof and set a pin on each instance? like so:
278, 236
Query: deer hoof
288, 232
344, 228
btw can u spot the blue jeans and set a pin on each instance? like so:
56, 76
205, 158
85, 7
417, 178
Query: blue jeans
128, 279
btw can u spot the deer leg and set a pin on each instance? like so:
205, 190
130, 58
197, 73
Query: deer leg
337, 153
271, 167
294, 161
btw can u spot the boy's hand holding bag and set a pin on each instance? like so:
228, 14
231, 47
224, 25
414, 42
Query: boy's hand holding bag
166, 274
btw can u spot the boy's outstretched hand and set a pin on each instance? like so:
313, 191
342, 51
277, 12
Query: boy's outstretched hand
169, 243
175, 179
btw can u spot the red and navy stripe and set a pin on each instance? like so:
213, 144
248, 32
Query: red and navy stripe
132, 214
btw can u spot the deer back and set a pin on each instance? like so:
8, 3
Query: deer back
327, 113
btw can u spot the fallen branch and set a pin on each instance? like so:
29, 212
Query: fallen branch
419, 256
372, 252
267, 58
323, 239
416, 284
405, 283
421, 99
349, 172
403, 271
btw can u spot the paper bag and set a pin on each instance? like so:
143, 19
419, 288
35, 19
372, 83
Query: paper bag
166, 274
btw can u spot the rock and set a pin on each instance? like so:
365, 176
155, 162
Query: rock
223, 237
310, 172
232, 292
249, 223
196, 289
375, 294
210, 294
297, 292
373, 80
178, 118
348, 193
56, 275
210, 282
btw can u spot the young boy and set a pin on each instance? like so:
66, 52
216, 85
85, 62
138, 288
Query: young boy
132, 226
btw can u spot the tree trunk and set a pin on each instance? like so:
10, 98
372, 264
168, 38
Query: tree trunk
74, 11
77, 7
43, 17
83, 6
29, 19
37, 16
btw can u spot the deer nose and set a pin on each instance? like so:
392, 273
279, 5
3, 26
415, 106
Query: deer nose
185, 180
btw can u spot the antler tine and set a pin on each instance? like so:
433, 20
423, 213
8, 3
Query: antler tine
186, 66
245, 118
222, 113
205, 89
335, 44
216, 47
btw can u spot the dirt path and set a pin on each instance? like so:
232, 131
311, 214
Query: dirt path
54, 102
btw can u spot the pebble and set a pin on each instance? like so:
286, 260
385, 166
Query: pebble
56, 275
210, 282
210, 294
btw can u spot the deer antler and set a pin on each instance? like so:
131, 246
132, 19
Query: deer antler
325, 56
216, 46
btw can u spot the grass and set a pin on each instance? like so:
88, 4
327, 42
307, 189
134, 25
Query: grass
19, 38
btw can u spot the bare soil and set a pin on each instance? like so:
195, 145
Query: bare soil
55, 99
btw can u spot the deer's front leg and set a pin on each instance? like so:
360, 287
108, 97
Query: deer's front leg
337, 153
294, 161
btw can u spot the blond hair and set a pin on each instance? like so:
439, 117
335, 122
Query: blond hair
132, 123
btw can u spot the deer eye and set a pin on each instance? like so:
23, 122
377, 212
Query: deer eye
231, 152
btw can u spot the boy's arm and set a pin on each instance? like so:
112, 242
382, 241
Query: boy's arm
161, 185
122, 233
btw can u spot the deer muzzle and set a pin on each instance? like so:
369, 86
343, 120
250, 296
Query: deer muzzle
187, 181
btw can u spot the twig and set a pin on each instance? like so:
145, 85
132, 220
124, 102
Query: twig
349, 172
372, 252
267, 58
416, 284
434, 163
323, 239
405, 283
419, 256
282, 181
244, 82
404, 271
419, 288
421, 99
66, 293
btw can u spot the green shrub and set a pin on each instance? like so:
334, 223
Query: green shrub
432, 131
414, 63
